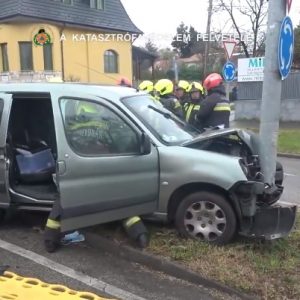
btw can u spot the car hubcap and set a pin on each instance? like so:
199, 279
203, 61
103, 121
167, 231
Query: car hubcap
205, 220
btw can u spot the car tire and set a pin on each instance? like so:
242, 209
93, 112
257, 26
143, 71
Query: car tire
279, 176
207, 217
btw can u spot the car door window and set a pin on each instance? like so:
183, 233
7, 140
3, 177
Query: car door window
93, 129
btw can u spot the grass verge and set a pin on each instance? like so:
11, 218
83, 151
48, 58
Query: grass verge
270, 270
289, 141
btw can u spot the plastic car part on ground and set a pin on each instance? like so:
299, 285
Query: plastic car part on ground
74, 237
14, 287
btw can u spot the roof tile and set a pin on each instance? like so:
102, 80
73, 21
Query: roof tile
113, 17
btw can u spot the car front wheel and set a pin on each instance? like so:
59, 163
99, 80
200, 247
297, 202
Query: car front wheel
207, 217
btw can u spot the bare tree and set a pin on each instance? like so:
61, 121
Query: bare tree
255, 12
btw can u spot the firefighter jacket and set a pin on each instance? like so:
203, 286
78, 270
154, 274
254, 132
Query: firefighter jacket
171, 103
191, 110
215, 109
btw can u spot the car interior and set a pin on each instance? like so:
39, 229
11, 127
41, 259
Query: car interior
31, 149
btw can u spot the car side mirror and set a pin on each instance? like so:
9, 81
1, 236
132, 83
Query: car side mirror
145, 144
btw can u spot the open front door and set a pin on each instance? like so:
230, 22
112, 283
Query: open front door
5, 106
103, 174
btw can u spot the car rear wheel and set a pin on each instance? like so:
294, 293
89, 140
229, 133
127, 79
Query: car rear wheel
206, 217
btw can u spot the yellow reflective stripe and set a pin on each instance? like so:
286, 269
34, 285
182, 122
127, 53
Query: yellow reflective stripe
129, 222
53, 224
189, 111
222, 108
223, 104
80, 125
188, 114
177, 104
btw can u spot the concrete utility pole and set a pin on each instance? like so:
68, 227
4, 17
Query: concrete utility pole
271, 98
175, 68
206, 54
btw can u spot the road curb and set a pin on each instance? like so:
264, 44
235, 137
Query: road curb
141, 257
288, 155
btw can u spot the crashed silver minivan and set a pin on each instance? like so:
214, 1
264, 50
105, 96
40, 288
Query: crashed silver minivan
125, 155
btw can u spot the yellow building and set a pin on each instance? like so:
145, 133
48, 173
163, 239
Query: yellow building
77, 40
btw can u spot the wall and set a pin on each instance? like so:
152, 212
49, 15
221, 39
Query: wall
14, 33
83, 59
250, 95
250, 109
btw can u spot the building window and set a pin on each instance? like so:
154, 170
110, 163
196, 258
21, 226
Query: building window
26, 56
110, 61
48, 58
98, 4
4, 58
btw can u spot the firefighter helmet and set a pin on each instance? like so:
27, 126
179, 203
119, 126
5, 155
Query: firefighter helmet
164, 87
213, 80
146, 86
123, 81
183, 84
195, 87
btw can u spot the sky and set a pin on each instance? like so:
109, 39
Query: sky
158, 19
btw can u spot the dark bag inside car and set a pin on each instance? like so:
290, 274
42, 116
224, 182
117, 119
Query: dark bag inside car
35, 166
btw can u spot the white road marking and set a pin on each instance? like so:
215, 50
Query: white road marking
64, 270
287, 174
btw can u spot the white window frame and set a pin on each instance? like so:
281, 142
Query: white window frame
97, 4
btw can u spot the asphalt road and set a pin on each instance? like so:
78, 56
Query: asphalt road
291, 183
81, 267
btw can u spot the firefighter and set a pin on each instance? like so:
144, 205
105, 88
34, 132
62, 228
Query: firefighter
52, 233
215, 108
89, 129
192, 107
164, 88
137, 231
181, 91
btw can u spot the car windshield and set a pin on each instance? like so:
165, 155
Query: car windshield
162, 123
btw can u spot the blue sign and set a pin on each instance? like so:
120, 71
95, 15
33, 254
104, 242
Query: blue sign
229, 71
286, 47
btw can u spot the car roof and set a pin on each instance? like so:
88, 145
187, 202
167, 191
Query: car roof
110, 92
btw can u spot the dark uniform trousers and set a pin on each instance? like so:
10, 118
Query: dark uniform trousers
52, 234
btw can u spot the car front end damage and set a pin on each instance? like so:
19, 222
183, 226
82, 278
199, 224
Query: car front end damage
254, 201
258, 218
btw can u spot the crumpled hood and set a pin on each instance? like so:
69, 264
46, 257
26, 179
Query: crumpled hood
246, 136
